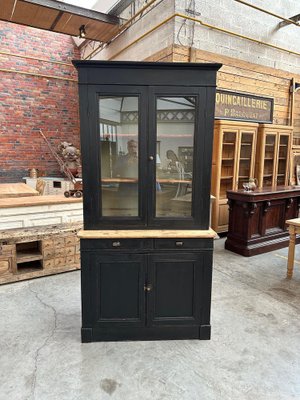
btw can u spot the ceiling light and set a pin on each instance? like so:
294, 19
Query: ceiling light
82, 32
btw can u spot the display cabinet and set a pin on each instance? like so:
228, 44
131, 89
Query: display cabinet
273, 156
146, 142
233, 164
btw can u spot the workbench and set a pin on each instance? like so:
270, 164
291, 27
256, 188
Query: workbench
38, 251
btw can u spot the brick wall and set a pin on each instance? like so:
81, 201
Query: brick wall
35, 94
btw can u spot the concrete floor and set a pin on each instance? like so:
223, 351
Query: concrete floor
254, 352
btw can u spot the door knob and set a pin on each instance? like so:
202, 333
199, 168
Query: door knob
148, 288
151, 158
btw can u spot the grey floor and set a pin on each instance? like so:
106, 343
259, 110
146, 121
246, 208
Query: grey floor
254, 352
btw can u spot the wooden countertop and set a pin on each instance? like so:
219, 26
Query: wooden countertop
293, 221
37, 201
146, 234
9, 190
265, 190
37, 232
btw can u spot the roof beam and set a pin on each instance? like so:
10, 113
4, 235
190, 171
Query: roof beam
69, 8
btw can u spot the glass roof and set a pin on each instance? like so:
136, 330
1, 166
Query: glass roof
102, 6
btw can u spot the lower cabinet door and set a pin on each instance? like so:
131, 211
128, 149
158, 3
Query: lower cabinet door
176, 281
117, 295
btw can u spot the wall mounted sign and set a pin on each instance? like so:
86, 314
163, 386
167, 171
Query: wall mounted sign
243, 107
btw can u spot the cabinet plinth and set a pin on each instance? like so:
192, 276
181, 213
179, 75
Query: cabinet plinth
146, 141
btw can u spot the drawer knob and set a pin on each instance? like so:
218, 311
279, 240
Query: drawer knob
179, 244
116, 244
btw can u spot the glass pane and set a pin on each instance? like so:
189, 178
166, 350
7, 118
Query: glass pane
282, 159
227, 165
269, 160
245, 158
174, 156
119, 155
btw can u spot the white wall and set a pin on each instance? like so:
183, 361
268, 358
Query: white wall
231, 15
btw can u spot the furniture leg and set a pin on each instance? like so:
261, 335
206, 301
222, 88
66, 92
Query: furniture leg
291, 253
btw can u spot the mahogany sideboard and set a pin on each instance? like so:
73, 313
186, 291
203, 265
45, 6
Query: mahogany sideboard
257, 219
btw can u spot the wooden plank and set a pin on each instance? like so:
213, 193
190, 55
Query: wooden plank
23, 235
212, 57
9, 190
162, 55
155, 233
37, 200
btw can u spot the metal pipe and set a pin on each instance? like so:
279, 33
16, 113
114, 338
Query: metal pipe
137, 13
292, 91
35, 58
141, 37
207, 26
39, 75
289, 21
235, 34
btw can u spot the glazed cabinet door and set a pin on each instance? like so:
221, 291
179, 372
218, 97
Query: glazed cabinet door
178, 289
115, 171
246, 157
283, 159
116, 296
178, 120
230, 146
269, 159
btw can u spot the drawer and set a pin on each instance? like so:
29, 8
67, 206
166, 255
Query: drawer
70, 260
59, 242
70, 241
48, 263
70, 251
115, 244
178, 243
48, 253
7, 249
60, 252
47, 244
60, 262
4, 266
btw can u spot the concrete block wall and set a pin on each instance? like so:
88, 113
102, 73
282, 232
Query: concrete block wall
44, 100
234, 16
130, 45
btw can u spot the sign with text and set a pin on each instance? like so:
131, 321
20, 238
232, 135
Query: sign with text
243, 107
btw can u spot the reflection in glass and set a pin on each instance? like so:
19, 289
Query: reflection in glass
174, 160
119, 155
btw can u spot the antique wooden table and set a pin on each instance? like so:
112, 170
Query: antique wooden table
257, 219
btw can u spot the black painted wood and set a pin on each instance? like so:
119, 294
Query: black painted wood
146, 289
